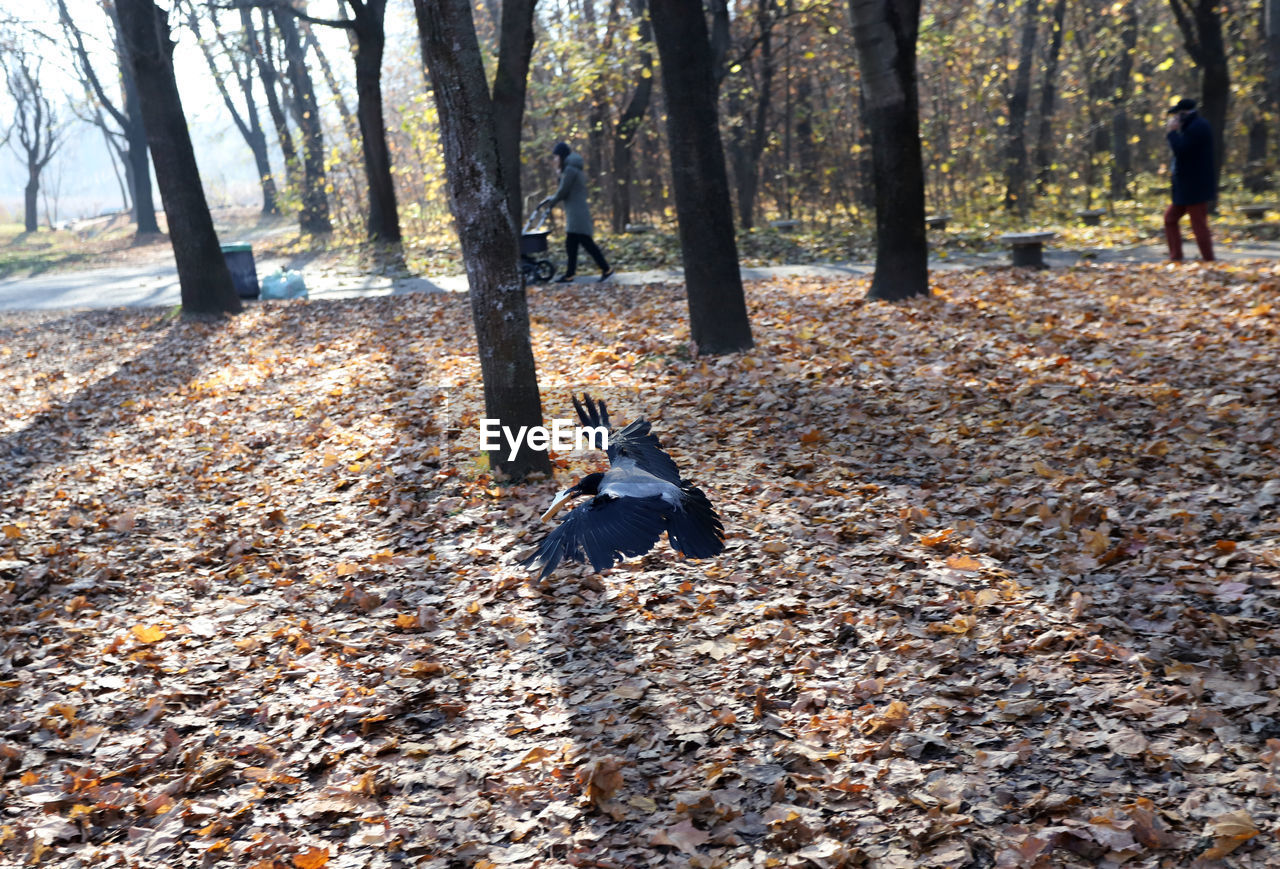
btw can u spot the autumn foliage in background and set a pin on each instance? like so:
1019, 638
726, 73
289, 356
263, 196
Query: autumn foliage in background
1002, 586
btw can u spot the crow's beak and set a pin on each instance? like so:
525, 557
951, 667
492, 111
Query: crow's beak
560, 501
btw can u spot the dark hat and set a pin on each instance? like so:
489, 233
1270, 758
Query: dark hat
1183, 105
561, 150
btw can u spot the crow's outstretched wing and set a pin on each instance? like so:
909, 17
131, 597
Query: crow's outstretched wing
635, 442
693, 528
602, 531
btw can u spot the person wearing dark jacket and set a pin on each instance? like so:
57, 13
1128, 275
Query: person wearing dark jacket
1194, 184
577, 215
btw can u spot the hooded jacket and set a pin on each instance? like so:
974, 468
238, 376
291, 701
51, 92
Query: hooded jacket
1192, 144
573, 193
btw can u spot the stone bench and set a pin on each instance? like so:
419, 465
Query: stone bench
1028, 247
785, 225
937, 221
638, 228
1255, 211
1091, 216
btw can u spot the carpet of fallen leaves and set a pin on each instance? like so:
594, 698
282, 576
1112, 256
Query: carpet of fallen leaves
1002, 586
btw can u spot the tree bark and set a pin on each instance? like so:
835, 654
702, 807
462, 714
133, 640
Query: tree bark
249, 124
1048, 99
127, 116
271, 89
885, 32
478, 199
1121, 151
314, 217
510, 82
384, 216
202, 270
718, 320
1015, 195
1201, 25
747, 142
624, 133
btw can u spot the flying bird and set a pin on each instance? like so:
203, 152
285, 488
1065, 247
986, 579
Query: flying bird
631, 504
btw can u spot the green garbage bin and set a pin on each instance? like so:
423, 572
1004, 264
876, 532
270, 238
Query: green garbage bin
244, 275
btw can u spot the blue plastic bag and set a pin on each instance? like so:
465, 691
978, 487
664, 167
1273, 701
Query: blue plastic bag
284, 284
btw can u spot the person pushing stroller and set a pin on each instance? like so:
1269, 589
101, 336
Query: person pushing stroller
577, 214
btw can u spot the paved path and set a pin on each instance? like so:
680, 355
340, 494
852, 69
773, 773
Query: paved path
157, 283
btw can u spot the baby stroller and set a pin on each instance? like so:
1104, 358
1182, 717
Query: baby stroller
534, 266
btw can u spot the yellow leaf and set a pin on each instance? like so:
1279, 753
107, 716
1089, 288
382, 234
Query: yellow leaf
1260, 309
535, 755
13, 532
30, 777
346, 568
964, 562
312, 858
148, 633
404, 621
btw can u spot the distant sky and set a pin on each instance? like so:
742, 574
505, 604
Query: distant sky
81, 171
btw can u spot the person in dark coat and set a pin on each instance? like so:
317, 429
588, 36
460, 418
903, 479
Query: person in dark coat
1194, 184
577, 215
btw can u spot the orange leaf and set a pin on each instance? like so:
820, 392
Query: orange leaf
964, 562
148, 633
1225, 546
13, 532
313, 858
937, 538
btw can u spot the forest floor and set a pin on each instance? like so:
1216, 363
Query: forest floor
1002, 585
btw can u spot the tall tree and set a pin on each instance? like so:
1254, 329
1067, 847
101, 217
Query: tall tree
260, 49
367, 25
202, 270
1200, 23
247, 122
314, 217
127, 115
718, 320
35, 125
886, 32
749, 131
1121, 92
510, 82
1049, 97
477, 197
629, 122
1015, 194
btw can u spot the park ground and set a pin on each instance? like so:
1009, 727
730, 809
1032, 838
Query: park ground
1002, 585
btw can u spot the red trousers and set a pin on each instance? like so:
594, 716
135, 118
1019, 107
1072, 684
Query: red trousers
1199, 227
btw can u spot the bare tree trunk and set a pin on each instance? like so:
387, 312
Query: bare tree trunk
1015, 195
350, 123
1048, 99
515, 49
249, 124
451, 53
1201, 25
748, 146
202, 270
1122, 152
271, 88
384, 216
885, 32
624, 134
718, 319
314, 217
